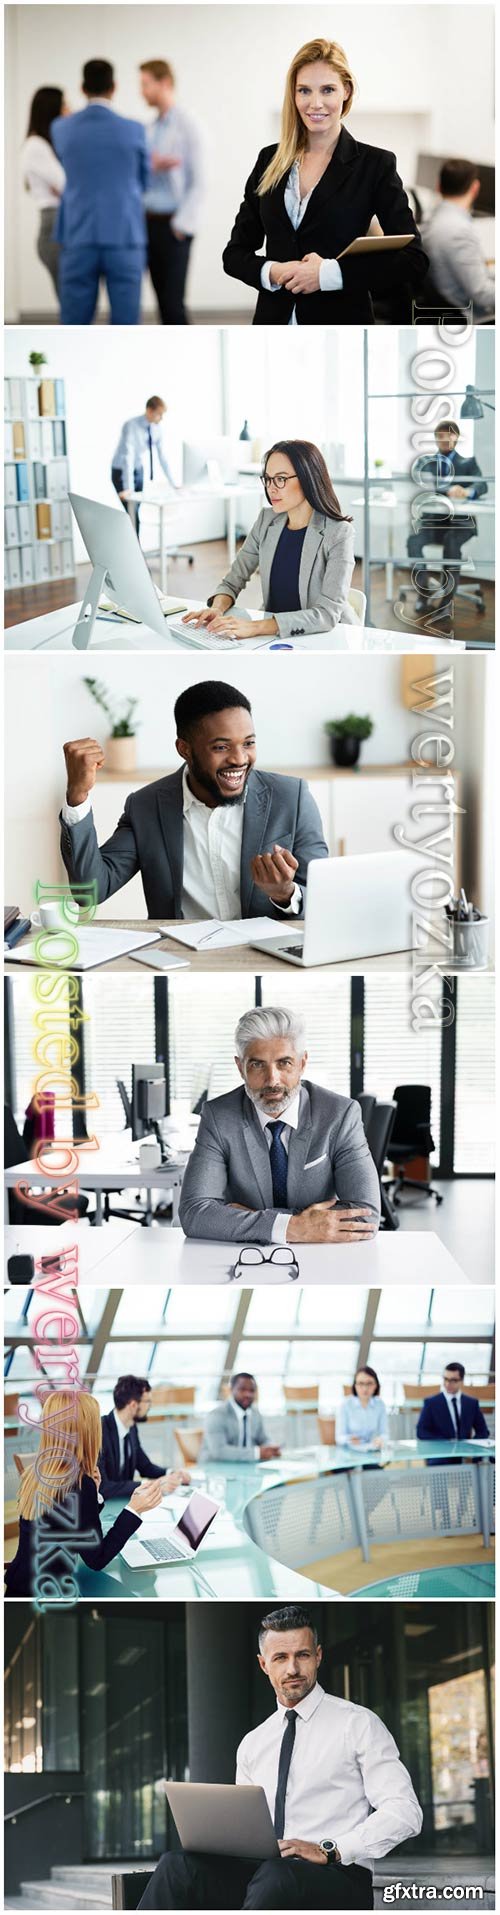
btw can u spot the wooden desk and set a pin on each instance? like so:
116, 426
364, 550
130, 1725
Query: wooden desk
239, 958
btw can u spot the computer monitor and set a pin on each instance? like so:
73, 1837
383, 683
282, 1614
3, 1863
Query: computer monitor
119, 568
149, 1098
429, 168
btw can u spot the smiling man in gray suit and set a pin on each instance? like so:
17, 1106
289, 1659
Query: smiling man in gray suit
234, 1430
280, 1160
216, 840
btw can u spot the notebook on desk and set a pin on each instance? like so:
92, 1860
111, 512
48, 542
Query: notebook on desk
97, 944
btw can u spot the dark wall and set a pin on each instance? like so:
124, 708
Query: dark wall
46, 1836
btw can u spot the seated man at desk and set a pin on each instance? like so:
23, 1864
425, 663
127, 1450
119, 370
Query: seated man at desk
450, 1413
454, 478
217, 839
279, 1160
122, 1456
458, 266
235, 1431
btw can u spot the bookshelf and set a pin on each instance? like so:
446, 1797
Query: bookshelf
38, 535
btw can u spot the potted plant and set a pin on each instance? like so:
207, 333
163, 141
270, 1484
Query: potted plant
346, 736
37, 360
120, 744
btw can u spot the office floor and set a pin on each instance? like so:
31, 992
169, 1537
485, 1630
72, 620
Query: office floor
465, 1222
348, 1571
209, 567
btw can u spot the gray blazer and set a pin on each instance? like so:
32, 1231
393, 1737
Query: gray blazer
326, 569
149, 838
328, 1156
221, 1442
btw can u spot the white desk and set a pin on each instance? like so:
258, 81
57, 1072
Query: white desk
122, 1254
114, 1166
166, 503
54, 632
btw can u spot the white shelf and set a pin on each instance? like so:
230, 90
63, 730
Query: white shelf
33, 545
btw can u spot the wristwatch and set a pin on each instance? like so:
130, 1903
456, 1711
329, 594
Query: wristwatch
330, 1850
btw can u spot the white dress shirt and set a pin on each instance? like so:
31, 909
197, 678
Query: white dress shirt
252, 1449
133, 450
330, 275
43, 175
456, 1398
345, 1764
178, 192
212, 857
290, 1122
122, 1429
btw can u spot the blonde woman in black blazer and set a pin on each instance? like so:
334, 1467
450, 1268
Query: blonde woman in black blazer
308, 197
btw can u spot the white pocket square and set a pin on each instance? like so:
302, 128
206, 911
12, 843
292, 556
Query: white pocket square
316, 1160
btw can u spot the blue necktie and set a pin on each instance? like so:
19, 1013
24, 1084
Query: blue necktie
279, 1165
150, 444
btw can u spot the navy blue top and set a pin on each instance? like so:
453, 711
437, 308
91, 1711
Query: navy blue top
284, 580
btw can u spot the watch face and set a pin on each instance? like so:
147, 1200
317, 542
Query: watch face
328, 1847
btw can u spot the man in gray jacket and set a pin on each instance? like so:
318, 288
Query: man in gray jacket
216, 840
235, 1431
279, 1160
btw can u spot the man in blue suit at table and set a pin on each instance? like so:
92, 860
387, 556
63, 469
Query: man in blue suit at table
451, 1415
101, 225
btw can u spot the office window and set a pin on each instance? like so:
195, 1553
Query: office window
331, 1362
202, 1363
212, 1309
120, 1032
28, 1029
473, 1308
325, 1006
396, 1054
403, 1309
273, 1311
394, 1363
120, 1359
476, 1358
203, 1014
138, 1309
332, 1311
475, 1075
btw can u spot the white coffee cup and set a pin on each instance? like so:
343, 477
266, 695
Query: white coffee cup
149, 1153
56, 914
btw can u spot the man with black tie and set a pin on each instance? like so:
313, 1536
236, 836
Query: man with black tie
139, 445
235, 1431
455, 479
338, 1794
122, 1456
451, 1414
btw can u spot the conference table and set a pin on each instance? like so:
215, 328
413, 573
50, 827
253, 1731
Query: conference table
277, 1519
122, 1253
53, 631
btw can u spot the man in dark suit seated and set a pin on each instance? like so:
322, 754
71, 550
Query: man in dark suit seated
445, 473
122, 1457
451, 1414
218, 839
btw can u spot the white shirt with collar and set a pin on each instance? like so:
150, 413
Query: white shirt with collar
346, 1782
212, 856
123, 1430
456, 1398
290, 1122
251, 1448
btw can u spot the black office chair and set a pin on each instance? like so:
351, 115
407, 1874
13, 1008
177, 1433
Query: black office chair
378, 1135
15, 1152
411, 1137
367, 1106
127, 1107
127, 1890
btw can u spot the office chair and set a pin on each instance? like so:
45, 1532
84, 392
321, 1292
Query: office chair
37, 1211
379, 1133
411, 1137
367, 1105
127, 1107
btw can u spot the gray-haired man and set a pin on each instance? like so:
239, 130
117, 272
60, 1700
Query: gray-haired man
280, 1160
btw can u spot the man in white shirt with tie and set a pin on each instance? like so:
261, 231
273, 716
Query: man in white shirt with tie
140, 445
337, 1791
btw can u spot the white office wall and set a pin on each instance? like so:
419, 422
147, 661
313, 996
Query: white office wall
425, 77
49, 704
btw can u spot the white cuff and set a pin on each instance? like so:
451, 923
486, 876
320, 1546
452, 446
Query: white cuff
294, 906
265, 278
73, 814
280, 1227
330, 276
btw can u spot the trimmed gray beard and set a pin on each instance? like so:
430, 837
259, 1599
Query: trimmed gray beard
256, 1097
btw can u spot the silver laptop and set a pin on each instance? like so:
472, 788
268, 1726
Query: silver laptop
222, 1818
182, 1542
120, 570
356, 907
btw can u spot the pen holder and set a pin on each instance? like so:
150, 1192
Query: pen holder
470, 943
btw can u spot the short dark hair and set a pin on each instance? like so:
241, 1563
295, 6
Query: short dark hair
238, 1377
447, 425
203, 701
98, 77
129, 1389
455, 178
459, 1367
154, 402
45, 107
291, 1616
159, 69
363, 1369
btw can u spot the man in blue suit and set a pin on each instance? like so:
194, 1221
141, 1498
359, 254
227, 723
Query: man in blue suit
451, 1414
101, 224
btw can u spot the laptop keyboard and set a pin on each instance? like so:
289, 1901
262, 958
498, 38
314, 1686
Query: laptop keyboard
163, 1552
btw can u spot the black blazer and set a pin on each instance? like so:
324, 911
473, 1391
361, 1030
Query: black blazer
109, 1461
435, 1421
359, 182
463, 472
18, 1575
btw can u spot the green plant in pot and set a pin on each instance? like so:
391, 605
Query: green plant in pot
346, 737
120, 745
37, 360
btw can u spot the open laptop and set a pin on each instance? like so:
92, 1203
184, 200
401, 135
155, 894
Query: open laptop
223, 1818
356, 907
180, 1544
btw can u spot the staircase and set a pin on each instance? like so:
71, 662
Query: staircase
80, 1887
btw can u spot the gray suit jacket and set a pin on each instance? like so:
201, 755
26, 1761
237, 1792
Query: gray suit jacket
149, 839
221, 1442
326, 569
328, 1156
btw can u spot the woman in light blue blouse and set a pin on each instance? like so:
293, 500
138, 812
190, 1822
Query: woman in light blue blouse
362, 1417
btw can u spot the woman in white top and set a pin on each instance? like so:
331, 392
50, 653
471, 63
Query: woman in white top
43, 174
362, 1417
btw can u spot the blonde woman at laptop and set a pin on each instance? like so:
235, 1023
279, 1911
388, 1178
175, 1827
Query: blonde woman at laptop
59, 1522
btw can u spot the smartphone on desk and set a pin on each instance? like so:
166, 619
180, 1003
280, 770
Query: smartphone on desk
159, 960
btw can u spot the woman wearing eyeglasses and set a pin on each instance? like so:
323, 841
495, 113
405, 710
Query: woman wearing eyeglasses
309, 197
302, 545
